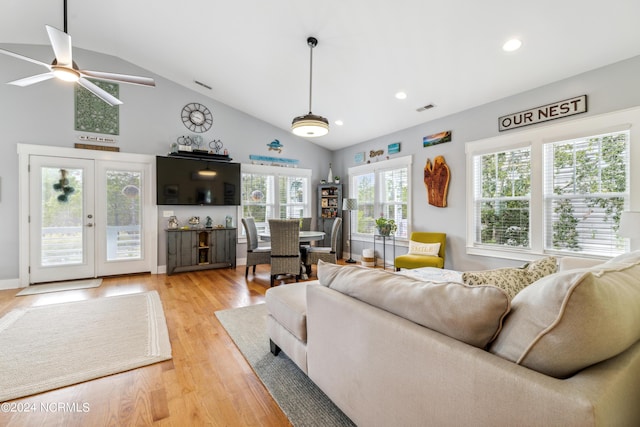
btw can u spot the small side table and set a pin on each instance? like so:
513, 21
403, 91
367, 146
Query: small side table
384, 239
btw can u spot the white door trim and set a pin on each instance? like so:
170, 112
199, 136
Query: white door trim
26, 150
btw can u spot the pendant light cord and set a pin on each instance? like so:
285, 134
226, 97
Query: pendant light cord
310, 74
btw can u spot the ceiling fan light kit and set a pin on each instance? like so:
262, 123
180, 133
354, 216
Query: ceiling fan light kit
310, 125
64, 68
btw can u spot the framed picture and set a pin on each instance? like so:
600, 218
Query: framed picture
393, 148
436, 138
359, 157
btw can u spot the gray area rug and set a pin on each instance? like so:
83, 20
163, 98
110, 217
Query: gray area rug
59, 286
56, 345
298, 397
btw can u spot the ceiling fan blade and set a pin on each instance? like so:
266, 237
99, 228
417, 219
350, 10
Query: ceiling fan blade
61, 44
31, 80
100, 93
119, 78
24, 58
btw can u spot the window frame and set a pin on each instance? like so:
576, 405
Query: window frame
376, 169
276, 173
536, 138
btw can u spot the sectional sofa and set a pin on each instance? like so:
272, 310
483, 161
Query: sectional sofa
390, 349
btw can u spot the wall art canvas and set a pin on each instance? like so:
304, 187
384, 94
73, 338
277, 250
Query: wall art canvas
436, 138
95, 115
359, 157
393, 148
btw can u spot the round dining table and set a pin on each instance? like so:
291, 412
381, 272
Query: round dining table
304, 237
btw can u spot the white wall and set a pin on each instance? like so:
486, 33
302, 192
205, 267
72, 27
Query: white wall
150, 121
610, 88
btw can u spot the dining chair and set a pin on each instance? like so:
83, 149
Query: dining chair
305, 224
285, 247
326, 253
255, 254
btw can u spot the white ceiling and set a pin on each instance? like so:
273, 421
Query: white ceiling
253, 53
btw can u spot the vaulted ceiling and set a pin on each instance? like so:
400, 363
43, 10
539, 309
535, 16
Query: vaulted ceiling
253, 53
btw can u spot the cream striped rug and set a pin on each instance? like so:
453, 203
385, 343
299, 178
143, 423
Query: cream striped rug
51, 346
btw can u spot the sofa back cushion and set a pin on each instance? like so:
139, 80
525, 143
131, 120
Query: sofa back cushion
470, 314
570, 320
512, 279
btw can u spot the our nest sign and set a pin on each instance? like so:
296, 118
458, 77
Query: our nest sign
557, 110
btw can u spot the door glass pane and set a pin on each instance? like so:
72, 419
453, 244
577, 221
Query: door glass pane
124, 207
61, 238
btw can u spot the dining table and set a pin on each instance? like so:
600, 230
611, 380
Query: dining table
305, 236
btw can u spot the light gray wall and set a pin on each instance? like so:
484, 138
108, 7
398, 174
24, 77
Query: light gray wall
43, 114
610, 88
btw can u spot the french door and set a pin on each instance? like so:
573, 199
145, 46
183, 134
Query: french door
89, 218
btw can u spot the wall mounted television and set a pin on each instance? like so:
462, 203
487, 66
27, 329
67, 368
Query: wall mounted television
183, 181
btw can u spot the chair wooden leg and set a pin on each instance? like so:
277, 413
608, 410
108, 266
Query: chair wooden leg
254, 270
246, 272
272, 280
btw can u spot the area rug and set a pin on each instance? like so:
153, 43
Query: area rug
55, 345
59, 286
298, 397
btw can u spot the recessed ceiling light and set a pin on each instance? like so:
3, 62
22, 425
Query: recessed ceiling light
401, 95
512, 45
339, 122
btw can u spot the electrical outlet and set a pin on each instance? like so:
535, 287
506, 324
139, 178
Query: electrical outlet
167, 214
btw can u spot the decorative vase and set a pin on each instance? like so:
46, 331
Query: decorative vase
330, 175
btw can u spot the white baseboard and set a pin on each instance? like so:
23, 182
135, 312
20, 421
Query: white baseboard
10, 284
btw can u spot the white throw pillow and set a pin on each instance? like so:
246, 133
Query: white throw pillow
417, 248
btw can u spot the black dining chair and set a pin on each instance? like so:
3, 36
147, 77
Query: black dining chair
285, 247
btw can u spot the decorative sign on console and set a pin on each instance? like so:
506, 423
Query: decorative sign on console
557, 110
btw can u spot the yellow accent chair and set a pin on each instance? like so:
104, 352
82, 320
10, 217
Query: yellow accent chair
416, 261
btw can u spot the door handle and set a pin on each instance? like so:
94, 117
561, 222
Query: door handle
89, 225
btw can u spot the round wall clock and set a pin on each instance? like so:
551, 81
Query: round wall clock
196, 117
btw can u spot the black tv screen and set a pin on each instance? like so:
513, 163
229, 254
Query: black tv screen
181, 181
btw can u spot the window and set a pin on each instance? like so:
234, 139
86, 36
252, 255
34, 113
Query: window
586, 189
274, 192
558, 189
502, 198
383, 189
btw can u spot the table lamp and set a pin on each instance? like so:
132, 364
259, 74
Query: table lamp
350, 205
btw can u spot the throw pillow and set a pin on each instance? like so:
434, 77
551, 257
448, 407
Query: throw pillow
568, 321
417, 248
469, 314
512, 280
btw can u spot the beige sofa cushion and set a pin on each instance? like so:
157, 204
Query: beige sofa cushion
570, 320
512, 280
470, 314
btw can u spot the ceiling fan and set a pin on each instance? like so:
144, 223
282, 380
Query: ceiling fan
64, 68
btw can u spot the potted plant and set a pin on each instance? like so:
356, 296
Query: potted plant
385, 226
336, 179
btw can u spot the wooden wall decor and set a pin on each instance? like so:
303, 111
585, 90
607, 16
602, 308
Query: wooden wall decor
436, 179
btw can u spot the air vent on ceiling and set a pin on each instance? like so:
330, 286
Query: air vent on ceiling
203, 85
425, 108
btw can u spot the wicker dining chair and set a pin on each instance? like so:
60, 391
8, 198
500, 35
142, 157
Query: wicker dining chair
305, 224
255, 254
285, 247
326, 253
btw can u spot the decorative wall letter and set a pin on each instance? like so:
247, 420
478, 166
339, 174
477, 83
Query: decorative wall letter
436, 179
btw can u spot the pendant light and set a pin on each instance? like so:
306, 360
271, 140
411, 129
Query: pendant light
310, 125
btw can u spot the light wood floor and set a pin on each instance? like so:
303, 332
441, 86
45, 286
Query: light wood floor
208, 382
